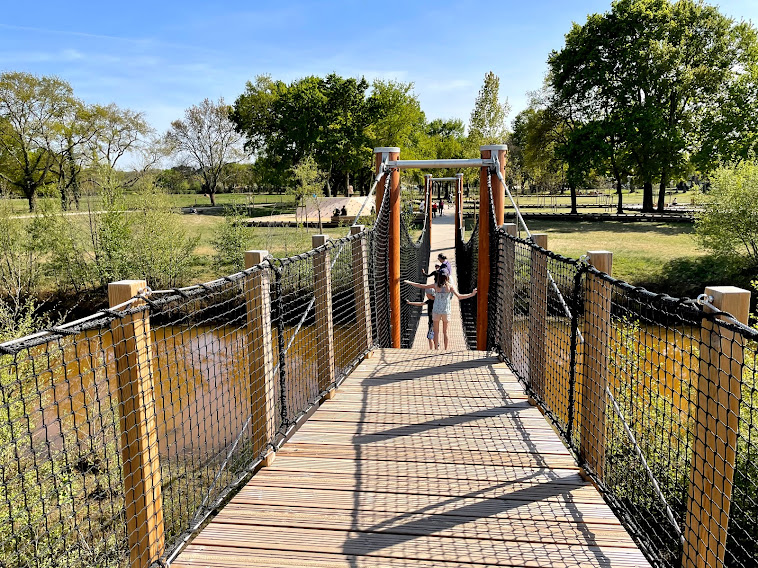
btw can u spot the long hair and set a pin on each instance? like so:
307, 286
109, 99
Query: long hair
442, 278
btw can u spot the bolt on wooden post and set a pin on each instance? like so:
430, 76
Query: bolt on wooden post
361, 287
260, 353
597, 332
716, 426
143, 502
322, 283
508, 289
537, 314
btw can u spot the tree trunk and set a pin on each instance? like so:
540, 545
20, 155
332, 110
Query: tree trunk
662, 190
212, 195
620, 206
572, 188
647, 196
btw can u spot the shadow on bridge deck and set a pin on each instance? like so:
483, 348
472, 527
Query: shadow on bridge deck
423, 459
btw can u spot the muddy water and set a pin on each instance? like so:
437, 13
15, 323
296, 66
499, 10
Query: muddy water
200, 378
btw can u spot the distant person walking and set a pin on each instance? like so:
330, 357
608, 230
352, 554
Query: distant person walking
434, 209
443, 266
442, 207
443, 296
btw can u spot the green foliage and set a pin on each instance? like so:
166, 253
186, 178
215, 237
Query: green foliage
230, 240
309, 180
728, 224
487, 120
20, 256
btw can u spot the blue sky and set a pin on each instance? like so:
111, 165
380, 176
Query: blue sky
162, 56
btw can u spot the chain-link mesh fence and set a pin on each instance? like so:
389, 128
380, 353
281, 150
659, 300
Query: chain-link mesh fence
466, 266
121, 434
414, 261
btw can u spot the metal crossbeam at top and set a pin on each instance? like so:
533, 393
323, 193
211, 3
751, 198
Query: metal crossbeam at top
440, 164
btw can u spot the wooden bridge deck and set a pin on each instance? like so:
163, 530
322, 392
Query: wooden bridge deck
423, 459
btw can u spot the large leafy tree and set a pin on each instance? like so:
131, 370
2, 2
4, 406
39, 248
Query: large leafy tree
207, 140
33, 116
649, 73
487, 120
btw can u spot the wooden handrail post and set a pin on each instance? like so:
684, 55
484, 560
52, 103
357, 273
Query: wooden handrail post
716, 426
322, 284
260, 354
361, 287
143, 502
537, 314
597, 334
458, 212
394, 236
508, 289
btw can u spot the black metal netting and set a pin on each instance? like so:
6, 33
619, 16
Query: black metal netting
120, 436
656, 397
466, 266
414, 261
379, 272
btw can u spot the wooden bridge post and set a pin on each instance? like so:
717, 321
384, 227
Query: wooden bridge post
322, 284
537, 315
597, 333
428, 202
143, 502
483, 268
508, 290
394, 236
361, 287
260, 354
458, 203
716, 426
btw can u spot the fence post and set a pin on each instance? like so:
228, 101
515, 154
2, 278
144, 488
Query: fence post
716, 426
143, 503
508, 289
597, 330
537, 314
458, 204
322, 284
428, 201
260, 354
361, 287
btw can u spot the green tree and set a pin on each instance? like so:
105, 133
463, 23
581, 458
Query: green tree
652, 71
207, 140
487, 121
728, 224
33, 111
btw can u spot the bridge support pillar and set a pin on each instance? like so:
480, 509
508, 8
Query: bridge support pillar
393, 276
716, 426
143, 502
483, 269
507, 290
260, 353
322, 290
458, 203
428, 201
597, 332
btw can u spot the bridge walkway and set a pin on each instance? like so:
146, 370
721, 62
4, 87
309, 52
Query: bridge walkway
423, 459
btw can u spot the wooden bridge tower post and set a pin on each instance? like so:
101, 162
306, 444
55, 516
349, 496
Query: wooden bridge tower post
508, 287
716, 425
458, 203
381, 154
143, 502
597, 333
322, 284
260, 353
428, 201
483, 269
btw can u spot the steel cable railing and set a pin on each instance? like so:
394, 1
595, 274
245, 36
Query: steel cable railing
660, 398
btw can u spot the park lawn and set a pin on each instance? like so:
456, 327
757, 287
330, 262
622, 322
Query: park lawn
641, 251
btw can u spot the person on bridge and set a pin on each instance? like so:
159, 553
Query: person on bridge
429, 303
443, 266
443, 296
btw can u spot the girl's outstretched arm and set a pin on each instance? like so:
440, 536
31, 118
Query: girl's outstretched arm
416, 284
464, 296
419, 304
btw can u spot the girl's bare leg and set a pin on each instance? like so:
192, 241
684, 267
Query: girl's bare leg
436, 331
444, 330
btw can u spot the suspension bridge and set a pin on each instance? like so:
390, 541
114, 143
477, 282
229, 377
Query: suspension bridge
292, 414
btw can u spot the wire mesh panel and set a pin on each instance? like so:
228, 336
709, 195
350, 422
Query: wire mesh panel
467, 262
379, 273
414, 261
